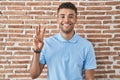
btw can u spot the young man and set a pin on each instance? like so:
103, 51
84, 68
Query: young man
66, 54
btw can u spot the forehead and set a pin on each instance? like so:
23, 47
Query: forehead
66, 11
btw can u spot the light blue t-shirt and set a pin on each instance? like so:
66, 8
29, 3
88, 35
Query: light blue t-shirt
67, 59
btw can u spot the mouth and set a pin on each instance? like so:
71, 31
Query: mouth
66, 25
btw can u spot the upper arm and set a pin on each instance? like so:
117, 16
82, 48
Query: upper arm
89, 74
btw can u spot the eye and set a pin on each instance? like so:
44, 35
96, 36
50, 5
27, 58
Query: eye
71, 16
62, 16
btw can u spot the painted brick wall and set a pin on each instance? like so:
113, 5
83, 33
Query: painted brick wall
98, 21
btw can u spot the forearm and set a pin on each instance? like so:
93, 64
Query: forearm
36, 67
89, 79
89, 75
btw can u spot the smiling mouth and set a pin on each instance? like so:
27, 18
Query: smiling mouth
66, 25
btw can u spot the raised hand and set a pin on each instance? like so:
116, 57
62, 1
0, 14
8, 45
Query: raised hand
39, 37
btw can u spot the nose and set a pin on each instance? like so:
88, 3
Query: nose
66, 19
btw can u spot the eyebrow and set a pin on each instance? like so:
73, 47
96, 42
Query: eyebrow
69, 14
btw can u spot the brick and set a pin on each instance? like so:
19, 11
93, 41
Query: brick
58, 3
117, 57
105, 62
20, 62
99, 17
114, 40
2, 8
21, 71
14, 12
44, 8
97, 40
115, 76
106, 71
99, 8
99, 36
24, 53
10, 3
110, 44
15, 66
18, 8
35, 13
20, 35
99, 67
102, 58
113, 12
109, 67
16, 40
45, 17
3, 17
1, 67
102, 49
20, 17
11, 21
6, 44
116, 48
105, 53
20, 26
97, 27
117, 7
111, 31
112, 3
1, 39
40, 3
6, 71
118, 62
17, 76
80, 8
108, 22
36, 22
81, 17
117, 17
11, 31
88, 31
117, 35
3, 35
116, 67
92, 13
101, 76
18, 57
89, 22
5, 53
18, 48
91, 3
25, 44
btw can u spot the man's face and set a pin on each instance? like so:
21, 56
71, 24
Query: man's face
66, 18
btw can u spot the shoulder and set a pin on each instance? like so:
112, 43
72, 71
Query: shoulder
50, 39
84, 41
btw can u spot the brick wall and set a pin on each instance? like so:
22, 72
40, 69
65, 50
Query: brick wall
98, 21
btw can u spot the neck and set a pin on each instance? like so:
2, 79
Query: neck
67, 36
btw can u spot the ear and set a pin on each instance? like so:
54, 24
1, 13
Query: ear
57, 18
76, 19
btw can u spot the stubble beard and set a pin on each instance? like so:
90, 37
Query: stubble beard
66, 31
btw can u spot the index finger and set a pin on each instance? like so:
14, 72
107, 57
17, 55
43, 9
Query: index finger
43, 33
37, 30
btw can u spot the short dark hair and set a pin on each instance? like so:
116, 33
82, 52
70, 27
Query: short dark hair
67, 5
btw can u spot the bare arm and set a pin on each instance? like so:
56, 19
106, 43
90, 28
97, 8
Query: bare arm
89, 74
36, 68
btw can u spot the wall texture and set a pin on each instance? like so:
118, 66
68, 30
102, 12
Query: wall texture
98, 21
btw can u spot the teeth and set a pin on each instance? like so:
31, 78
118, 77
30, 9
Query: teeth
66, 24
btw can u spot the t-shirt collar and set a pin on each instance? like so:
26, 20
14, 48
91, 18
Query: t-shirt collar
72, 40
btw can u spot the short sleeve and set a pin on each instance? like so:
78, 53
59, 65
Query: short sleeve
42, 56
90, 59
